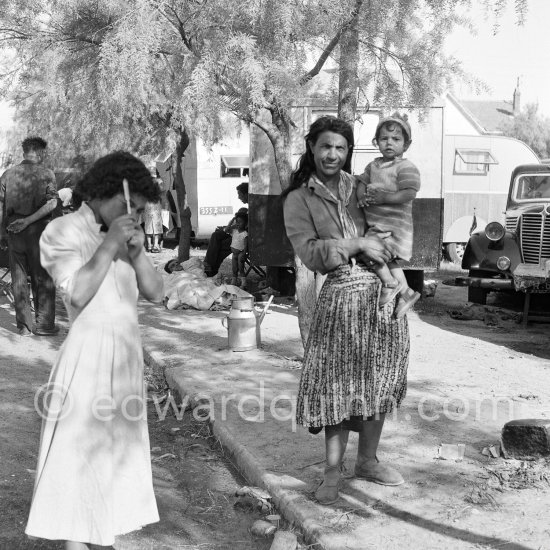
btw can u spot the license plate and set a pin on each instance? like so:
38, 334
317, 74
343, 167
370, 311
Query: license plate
215, 210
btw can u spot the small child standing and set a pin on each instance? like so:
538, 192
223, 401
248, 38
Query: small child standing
386, 191
239, 248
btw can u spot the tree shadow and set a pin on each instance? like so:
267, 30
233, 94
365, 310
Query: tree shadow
444, 529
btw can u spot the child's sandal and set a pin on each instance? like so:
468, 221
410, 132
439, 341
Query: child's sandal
406, 301
388, 293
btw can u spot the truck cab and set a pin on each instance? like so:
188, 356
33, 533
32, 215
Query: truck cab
515, 255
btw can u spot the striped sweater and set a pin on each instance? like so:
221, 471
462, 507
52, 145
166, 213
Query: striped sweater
392, 176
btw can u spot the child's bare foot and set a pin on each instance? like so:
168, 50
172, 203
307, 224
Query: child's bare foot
406, 301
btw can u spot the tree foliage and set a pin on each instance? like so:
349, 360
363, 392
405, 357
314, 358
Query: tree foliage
532, 128
107, 64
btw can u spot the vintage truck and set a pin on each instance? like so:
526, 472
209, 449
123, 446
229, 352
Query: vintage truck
513, 256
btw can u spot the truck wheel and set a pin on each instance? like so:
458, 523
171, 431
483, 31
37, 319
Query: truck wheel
454, 252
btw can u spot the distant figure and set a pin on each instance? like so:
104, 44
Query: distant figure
27, 196
386, 191
239, 249
152, 220
219, 246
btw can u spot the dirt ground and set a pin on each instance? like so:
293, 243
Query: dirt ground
195, 483
467, 378
472, 375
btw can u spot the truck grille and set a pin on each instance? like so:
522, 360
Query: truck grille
511, 223
535, 237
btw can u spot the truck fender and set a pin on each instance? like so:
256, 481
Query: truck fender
481, 253
459, 232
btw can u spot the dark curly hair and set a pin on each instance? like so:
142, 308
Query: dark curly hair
306, 163
242, 216
34, 143
104, 179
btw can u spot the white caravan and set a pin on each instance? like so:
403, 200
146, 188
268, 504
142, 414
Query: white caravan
476, 179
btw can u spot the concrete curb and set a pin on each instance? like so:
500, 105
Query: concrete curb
293, 505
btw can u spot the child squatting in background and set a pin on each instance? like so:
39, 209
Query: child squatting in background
386, 190
239, 248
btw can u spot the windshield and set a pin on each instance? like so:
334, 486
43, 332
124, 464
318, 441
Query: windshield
532, 187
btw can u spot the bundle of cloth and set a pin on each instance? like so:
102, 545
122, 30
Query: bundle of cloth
186, 286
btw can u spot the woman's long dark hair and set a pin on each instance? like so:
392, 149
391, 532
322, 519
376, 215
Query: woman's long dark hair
306, 163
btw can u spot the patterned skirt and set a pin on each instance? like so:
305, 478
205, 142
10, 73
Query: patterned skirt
356, 356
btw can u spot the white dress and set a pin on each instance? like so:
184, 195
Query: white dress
93, 479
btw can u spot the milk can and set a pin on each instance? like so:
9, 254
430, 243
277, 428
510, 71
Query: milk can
243, 325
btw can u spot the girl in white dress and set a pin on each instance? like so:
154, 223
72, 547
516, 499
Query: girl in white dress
93, 479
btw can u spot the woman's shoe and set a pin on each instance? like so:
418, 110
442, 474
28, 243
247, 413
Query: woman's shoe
155, 249
389, 292
405, 302
327, 492
379, 473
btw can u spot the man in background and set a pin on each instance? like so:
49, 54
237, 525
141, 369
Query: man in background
219, 246
27, 196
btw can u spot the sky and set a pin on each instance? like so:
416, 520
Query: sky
514, 51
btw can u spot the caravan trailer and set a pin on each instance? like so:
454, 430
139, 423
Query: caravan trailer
211, 177
476, 178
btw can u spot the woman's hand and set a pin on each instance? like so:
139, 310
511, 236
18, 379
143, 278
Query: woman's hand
135, 243
375, 249
125, 230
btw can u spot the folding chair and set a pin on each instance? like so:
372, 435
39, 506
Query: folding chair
249, 266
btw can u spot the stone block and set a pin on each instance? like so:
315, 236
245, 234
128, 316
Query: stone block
526, 438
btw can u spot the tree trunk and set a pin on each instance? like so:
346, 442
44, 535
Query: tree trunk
348, 80
306, 296
184, 244
280, 139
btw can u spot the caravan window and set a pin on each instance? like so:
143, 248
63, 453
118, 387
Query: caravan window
473, 162
234, 166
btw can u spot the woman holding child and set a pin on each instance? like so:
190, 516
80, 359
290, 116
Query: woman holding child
356, 357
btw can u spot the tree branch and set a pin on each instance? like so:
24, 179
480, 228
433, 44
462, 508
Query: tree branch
330, 47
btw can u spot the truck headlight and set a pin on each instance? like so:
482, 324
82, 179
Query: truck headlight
503, 263
494, 231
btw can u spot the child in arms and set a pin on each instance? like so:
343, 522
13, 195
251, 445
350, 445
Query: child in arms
386, 191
